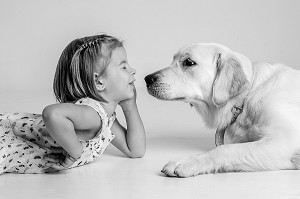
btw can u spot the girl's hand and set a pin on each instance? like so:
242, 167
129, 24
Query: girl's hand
129, 102
59, 159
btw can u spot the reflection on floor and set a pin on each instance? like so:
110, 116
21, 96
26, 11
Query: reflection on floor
115, 176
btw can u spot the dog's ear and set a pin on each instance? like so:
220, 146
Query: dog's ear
230, 80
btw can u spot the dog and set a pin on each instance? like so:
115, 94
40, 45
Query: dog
257, 105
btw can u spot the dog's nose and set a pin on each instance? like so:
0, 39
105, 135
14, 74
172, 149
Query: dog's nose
150, 79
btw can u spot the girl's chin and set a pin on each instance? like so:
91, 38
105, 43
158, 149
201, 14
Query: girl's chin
128, 96
131, 95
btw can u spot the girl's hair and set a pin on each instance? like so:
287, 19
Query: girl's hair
74, 76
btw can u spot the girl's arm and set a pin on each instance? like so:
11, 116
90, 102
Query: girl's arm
64, 119
132, 142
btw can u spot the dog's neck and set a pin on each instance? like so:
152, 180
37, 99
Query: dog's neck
220, 117
236, 110
223, 116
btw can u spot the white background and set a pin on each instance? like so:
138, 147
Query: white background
34, 32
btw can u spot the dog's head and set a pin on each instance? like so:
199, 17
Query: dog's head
202, 72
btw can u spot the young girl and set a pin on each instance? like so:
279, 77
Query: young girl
92, 77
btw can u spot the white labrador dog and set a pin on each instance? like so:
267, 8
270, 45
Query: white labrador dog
256, 104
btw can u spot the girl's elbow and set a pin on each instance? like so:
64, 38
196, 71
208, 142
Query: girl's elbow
137, 154
49, 113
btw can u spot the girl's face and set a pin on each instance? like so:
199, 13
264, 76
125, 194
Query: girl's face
119, 78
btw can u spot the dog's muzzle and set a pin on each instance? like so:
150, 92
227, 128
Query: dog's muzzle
150, 79
155, 88
158, 88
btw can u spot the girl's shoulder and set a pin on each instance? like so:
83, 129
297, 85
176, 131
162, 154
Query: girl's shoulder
96, 105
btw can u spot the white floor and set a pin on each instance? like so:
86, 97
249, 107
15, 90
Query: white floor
173, 130
115, 176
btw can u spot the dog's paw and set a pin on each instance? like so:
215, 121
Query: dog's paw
169, 168
183, 168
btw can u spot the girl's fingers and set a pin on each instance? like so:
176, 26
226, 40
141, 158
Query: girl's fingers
57, 150
56, 166
53, 155
68, 162
50, 170
58, 163
51, 159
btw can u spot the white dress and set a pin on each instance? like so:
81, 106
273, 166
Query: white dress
24, 140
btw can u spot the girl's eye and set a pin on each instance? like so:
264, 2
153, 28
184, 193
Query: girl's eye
188, 62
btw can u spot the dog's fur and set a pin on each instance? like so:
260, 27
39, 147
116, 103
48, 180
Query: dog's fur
213, 79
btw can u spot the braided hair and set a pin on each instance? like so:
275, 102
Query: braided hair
74, 76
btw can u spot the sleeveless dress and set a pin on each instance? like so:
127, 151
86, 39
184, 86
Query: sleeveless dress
24, 140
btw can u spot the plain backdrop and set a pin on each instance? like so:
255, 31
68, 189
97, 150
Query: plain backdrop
33, 34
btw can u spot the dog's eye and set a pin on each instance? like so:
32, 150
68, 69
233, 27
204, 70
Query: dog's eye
188, 62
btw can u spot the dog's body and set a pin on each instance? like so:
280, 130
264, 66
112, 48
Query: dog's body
265, 133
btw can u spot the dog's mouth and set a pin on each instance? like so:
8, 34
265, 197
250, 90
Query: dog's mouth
157, 90
160, 91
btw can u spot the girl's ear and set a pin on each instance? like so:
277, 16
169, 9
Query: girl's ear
98, 82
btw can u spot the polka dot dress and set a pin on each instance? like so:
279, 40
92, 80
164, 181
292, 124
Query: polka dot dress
24, 140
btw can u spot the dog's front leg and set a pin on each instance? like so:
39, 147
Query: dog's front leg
252, 156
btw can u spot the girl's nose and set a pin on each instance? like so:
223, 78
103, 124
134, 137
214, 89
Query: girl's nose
132, 71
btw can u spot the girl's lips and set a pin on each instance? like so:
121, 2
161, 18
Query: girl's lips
132, 82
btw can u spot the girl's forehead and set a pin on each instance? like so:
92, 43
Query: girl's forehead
117, 56
119, 52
